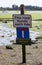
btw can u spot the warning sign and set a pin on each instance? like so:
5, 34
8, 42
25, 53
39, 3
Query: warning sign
22, 20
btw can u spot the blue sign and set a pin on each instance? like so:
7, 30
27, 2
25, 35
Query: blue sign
22, 33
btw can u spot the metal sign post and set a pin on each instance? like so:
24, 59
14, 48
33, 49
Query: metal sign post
22, 23
23, 45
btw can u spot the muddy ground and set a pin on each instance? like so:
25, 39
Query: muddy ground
14, 56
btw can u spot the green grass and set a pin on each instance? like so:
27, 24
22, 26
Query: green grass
37, 26
8, 14
39, 37
35, 16
38, 23
9, 24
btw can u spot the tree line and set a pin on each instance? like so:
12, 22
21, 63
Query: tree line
16, 7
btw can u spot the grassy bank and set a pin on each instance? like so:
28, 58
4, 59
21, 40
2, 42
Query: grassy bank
36, 16
37, 26
7, 15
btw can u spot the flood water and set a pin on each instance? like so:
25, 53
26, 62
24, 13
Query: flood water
7, 35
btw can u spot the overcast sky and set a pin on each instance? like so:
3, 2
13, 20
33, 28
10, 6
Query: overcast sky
9, 3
